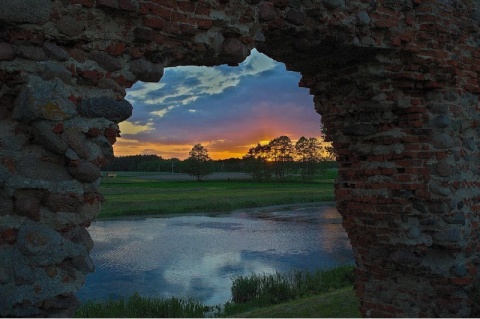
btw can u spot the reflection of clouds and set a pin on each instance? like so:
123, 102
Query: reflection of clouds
198, 255
209, 271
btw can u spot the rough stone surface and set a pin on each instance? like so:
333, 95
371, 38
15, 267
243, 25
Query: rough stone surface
85, 172
45, 136
113, 110
70, 26
32, 11
34, 168
46, 100
234, 50
396, 83
6, 52
146, 71
55, 52
106, 61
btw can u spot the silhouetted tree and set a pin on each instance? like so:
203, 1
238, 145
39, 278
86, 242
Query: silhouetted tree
308, 151
256, 162
331, 153
281, 153
199, 163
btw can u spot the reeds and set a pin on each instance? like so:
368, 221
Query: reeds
140, 307
268, 289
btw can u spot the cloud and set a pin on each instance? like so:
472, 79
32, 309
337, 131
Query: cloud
184, 85
130, 128
227, 109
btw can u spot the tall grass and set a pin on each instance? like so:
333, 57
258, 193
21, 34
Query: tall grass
248, 292
267, 289
140, 307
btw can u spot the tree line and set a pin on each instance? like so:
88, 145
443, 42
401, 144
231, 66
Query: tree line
279, 157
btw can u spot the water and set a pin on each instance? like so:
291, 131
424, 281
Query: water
198, 255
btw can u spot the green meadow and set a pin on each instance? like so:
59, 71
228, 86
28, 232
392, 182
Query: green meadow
160, 193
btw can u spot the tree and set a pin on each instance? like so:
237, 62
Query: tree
256, 162
309, 154
281, 153
330, 150
199, 163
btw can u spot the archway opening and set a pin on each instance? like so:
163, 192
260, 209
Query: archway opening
226, 109
229, 111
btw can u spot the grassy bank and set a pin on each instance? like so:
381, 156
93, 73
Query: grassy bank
340, 303
147, 193
298, 294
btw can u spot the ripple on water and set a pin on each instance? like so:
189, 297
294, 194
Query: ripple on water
198, 255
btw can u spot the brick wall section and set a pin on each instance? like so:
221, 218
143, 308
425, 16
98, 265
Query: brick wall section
395, 82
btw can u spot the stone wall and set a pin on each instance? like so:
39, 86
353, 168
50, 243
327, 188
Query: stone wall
395, 82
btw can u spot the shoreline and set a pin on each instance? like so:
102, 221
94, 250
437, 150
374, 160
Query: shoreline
215, 214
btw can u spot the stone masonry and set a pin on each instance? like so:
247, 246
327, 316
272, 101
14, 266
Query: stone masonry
396, 83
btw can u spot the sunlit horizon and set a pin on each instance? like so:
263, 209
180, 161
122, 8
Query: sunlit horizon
226, 109
181, 151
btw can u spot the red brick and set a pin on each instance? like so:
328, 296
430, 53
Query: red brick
127, 5
93, 132
202, 10
186, 6
8, 236
203, 24
9, 163
154, 22
116, 49
156, 10
91, 75
461, 281
111, 135
58, 128
179, 17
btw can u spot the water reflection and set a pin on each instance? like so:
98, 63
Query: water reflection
198, 255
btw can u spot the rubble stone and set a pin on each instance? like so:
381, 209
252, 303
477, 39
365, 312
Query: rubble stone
113, 110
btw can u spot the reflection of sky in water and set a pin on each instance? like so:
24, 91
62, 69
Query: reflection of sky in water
196, 256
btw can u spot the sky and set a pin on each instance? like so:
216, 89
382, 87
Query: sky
226, 109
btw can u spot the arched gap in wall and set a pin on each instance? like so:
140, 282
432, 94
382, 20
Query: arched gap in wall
228, 110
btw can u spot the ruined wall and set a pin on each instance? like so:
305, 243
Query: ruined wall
395, 82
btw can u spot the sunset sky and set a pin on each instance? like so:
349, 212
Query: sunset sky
226, 109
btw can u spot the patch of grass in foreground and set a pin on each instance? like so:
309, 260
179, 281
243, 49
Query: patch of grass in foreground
135, 196
298, 294
340, 303
267, 289
141, 307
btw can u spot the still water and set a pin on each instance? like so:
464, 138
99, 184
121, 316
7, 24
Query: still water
198, 255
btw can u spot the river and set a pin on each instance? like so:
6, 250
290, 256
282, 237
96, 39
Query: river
198, 255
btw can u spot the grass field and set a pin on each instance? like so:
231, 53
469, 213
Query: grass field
151, 193
340, 303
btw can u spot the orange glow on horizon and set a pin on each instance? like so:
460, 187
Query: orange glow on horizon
126, 147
